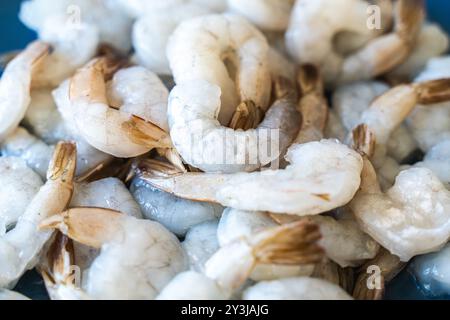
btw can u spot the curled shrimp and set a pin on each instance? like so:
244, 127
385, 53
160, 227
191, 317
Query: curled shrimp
229, 54
389, 110
137, 259
313, 29
411, 218
237, 224
117, 127
270, 15
429, 124
20, 246
231, 265
16, 84
322, 176
205, 144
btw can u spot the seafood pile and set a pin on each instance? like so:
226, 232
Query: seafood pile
226, 149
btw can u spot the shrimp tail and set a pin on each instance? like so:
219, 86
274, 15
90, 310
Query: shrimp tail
290, 244
409, 16
363, 140
89, 226
146, 133
63, 164
433, 91
247, 116
57, 268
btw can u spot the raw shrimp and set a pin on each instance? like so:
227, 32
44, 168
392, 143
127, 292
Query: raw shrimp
137, 259
34, 152
230, 266
236, 224
300, 288
431, 42
315, 25
350, 101
411, 218
330, 271
224, 54
322, 176
111, 23
200, 244
20, 247
270, 15
11, 295
151, 33
342, 239
205, 144
19, 184
15, 86
389, 110
176, 214
366, 287
116, 127
430, 124
335, 129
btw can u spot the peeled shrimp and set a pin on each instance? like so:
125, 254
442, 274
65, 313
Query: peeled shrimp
137, 259
322, 176
111, 23
139, 8
271, 15
430, 123
176, 214
315, 25
352, 100
301, 288
15, 86
205, 144
389, 110
228, 55
409, 219
236, 224
18, 182
230, 266
116, 126
20, 247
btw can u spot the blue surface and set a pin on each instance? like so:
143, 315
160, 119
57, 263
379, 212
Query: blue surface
14, 35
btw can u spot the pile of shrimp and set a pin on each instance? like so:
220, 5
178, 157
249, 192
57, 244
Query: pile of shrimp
192, 149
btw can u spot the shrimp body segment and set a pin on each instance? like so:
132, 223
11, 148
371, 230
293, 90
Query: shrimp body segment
118, 131
15, 86
322, 176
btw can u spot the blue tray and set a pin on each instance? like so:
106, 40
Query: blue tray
14, 35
